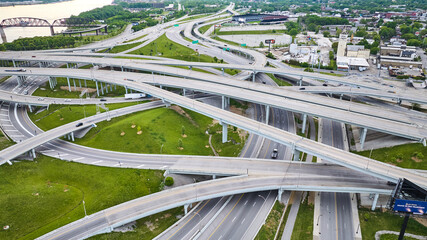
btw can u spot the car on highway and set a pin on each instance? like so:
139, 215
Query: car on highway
67, 100
302, 88
79, 124
274, 154
40, 99
103, 100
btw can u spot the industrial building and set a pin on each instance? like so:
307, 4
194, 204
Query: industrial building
263, 18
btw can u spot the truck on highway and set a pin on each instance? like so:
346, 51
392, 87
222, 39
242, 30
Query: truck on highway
134, 95
16, 70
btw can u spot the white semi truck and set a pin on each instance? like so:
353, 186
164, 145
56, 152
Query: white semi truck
134, 95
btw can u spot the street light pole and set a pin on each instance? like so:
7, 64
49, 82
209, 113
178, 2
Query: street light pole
318, 218
84, 208
262, 197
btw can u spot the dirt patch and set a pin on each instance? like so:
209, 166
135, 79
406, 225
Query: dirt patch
181, 148
168, 215
181, 112
242, 134
78, 89
206, 146
139, 132
61, 119
239, 111
150, 225
423, 221
399, 160
122, 133
311, 198
416, 159
133, 126
184, 135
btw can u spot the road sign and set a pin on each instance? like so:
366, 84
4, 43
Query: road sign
410, 206
195, 42
268, 41
243, 44
176, 25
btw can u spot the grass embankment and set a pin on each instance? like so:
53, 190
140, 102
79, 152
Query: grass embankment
61, 89
40, 196
58, 115
4, 142
285, 218
146, 228
268, 230
118, 49
134, 39
193, 69
164, 47
248, 32
278, 81
194, 17
373, 221
332, 74
161, 132
394, 237
93, 38
205, 28
226, 41
412, 155
4, 79
303, 229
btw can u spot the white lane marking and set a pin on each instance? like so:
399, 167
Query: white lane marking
7, 125
19, 122
254, 204
76, 159
220, 237
1, 114
64, 154
245, 202
243, 220
233, 219
16, 135
97, 162
140, 165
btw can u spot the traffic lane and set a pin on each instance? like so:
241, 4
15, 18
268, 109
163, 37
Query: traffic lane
345, 219
328, 221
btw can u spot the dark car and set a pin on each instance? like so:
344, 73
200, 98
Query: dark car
302, 88
79, 124
274, 153
103, 100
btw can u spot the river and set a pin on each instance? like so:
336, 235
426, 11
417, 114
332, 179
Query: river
50, 12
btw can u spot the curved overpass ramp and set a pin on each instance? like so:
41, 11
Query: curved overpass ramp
106, 220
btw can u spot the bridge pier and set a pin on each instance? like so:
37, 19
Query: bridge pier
267, 114
102, 89
341, 96
253, 76
424, 142
224, 104
224, 132
126, 89
105, 29
190, 67
72, 136
374, 203
183, 92
30, 108
296, 155
52, 32
279, 195
3, 35
363, 137
74, 83
300, 82
222, 69
33, 151
186, 208
304, 123
97, 91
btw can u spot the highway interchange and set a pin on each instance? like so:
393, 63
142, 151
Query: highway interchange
251, 171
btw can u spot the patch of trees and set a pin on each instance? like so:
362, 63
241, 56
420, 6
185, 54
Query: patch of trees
322, 21
38, 43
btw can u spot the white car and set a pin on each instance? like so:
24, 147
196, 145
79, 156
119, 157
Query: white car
67, 100
40, 99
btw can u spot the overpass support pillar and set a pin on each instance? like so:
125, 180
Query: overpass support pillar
52, 32
33, 151
363, 137
190, 67
267, 113
106, 88
3, 35
14, 64
126, 89
300, 82
374, 203
214, 176
222, 69
186, 208
69, 86
102, 89
30, 108
296, 155
399, 101
224, 132
424, 142
74, 83
304, 123
105, 29
279, 195
183, 92
97, 91
72, 136
80, 84
121, 68
341, 96
253, 76
224, 102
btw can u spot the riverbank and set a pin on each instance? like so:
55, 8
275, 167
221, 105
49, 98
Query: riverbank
12, 4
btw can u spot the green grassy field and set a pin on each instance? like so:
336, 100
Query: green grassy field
332, 74
4, 142
161, 132
134, 39
51, 118
61, 89
235, 142
205, 28
146, 228
278, 81
413, 155
118, 49
285, 218
303, 229
40, 196
373, 221
194, 17
4, 79
268, 230
251, 32
226, 41
394, 237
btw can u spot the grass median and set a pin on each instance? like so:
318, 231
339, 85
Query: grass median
4, 141
412, 155
303, 228
268, 230
40, 196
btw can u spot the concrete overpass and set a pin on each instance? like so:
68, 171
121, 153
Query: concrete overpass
366, 121
296, 143
108, 219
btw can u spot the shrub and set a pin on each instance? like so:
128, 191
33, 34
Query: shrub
169, 181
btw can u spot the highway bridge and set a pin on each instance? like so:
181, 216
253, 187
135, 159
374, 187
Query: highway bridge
366, 121
297, 143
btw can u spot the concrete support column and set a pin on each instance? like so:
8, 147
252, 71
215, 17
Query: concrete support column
74, 83
126, 89
214, 176
374, 203
399, 101
304, 122
424, 142
80, 84
253, 76
300, 82
186, 208
30, 108
190, 67
106, 88
222, 69
222, 102
102, 89
183, 92
224, 132
341, 96
69, 86
97, 91
72, 136
33, 151
279, 195
267, 113
14, 64
121, 68
111, 87
50, 83
363, 137
296, 155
